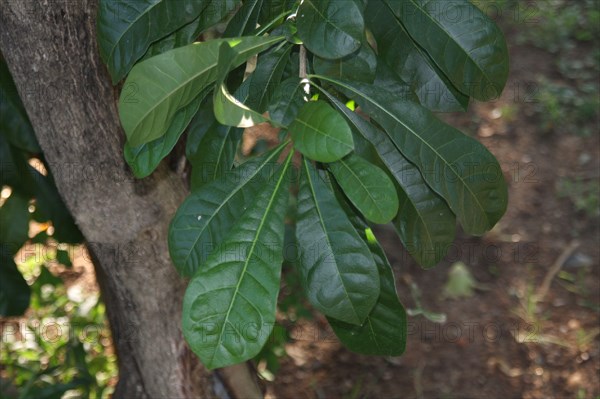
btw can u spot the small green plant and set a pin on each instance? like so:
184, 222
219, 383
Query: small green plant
60, 348
565, 109
585, 194
294, 65
561, 22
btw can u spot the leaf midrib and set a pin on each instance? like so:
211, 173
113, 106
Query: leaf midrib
427, 59
251, 252
226, 200
381, 213
322, 223
323, 133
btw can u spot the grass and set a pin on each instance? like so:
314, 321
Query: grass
61, 347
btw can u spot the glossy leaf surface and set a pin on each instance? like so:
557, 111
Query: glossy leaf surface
425, 223
157, 88
266, 77
411, 63
367, 187
336, 267
320, 133
330, 28
145, 158
456, 166
229, 306
127, 28
214, 153
229, 110
467, 46
287, 101
207, 215
361, 65
384, 331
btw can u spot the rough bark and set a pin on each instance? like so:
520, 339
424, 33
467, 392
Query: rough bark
51, 51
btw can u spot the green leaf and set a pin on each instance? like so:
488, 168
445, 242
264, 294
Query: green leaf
456, 166
425, 223
127, 28
360, 65
461, 282
14, 123
232, 112
287, 101
14, 291
181, 37
336, 267
145, 158
330, 28
217, 154
245, 19
215, 12
384, 331
267, 76
14, 221
388, 79
273, 9
157, 88
411, 63
229, 110
229, 307
320, 133
368, 187
212, 146
466, 45
208, 214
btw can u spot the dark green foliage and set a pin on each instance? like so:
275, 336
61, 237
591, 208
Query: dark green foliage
389, 160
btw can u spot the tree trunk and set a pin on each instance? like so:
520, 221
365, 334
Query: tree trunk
50, 48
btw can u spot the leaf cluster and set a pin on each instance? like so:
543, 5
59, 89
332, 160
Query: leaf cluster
352, 86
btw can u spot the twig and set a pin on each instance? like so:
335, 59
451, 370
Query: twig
302, 74
302, 66
558, 264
